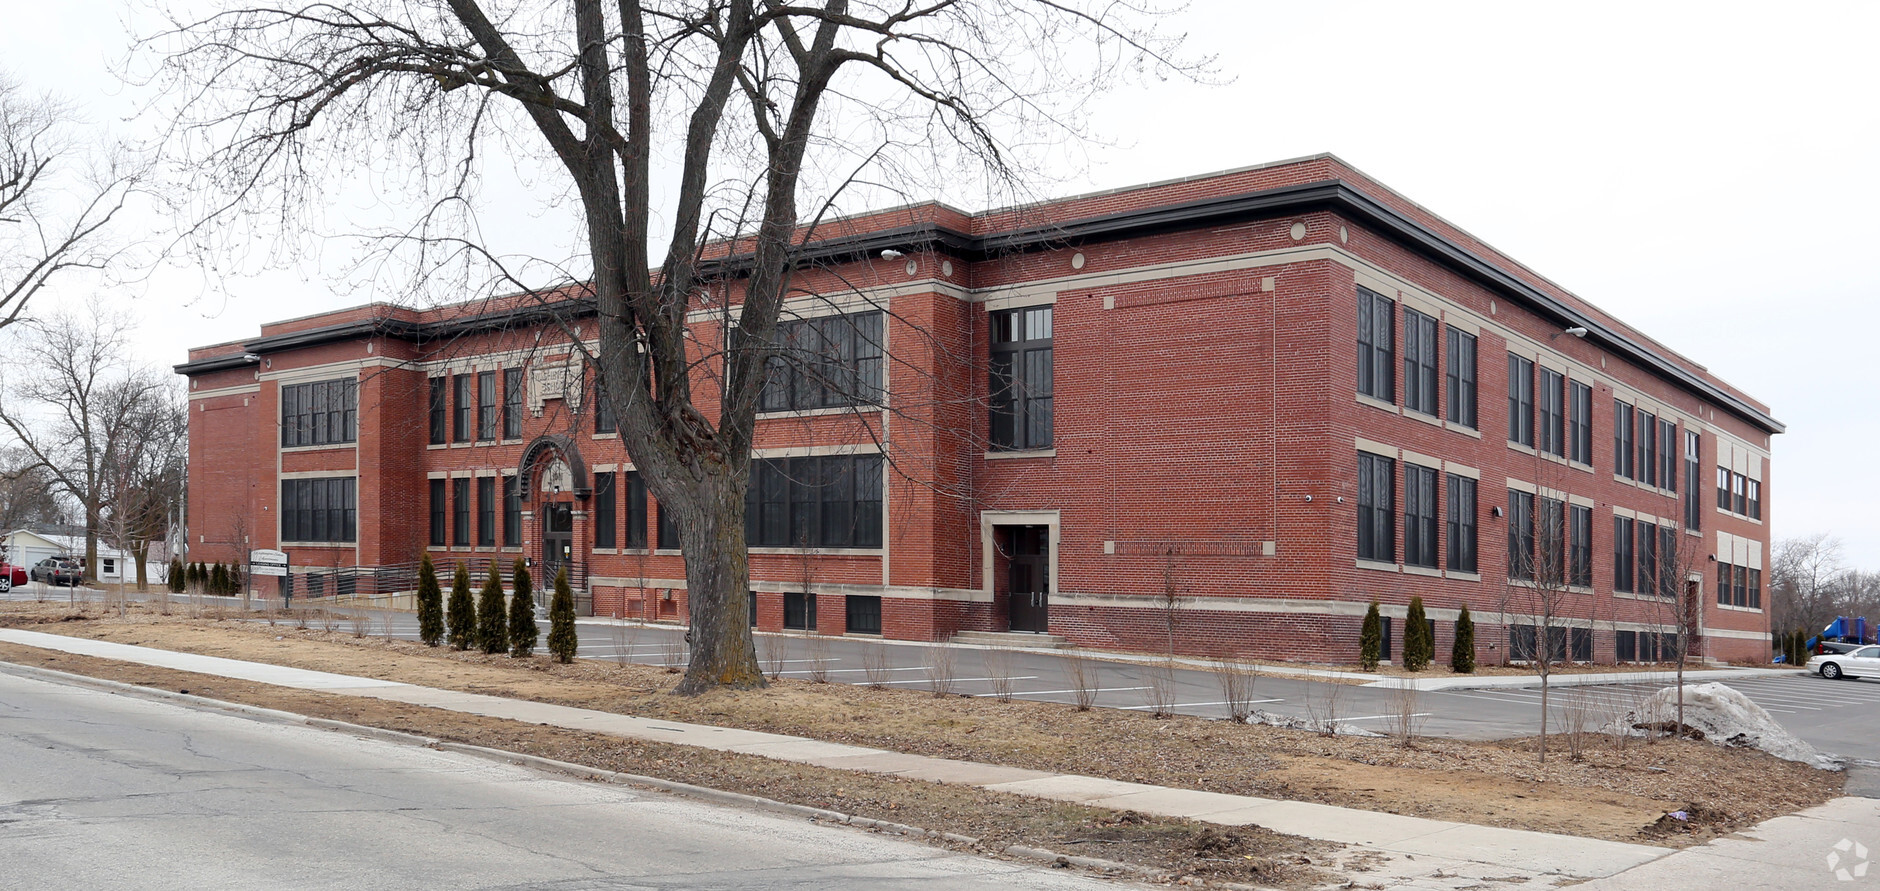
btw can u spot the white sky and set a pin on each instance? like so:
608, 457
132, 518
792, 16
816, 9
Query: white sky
1705, 171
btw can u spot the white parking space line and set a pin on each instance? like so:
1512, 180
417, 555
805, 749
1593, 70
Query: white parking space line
1056, 692
1377, 717
961, 680
853, 670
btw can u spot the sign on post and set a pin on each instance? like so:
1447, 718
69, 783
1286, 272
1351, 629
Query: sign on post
265, 562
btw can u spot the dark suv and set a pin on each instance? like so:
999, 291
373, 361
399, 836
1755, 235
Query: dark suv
58, 571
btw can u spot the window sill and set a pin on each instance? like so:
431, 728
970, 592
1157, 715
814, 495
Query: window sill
1576, 465
1429, 571
330, 447
1739, 609
787, 413
318, 544
816, 552
1379, 404
1378, 565
1021, 453
1523, 449
1463, 429
1459, 575
1429, 419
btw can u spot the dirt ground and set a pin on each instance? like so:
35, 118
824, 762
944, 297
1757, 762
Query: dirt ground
1614, 789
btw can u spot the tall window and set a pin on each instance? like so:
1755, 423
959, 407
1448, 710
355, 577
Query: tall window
1020, 387
1459, 378
321, 509
1580, 572
604, 507
1553, 544
460, 512
1419, 362
1755, 588
1668, 568
1693, 503
440, 410
1647, 557
486, 405
1376, 345
1377, 502
321, 413
1580, 434
1622, 439
829, 362
1647, 448
1520, 400
833, 501
604, 419
512, 513
1723, 585
512, 404
1667, 454
439, 511
668, 529
1753, 490
1550, 392
1739, 493
1520, 535
1622, 553
1419, 516
636, 510
1461, 525
463, 424
1723, 488
486, 511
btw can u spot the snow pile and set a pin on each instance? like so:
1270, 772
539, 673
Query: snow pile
1722, 715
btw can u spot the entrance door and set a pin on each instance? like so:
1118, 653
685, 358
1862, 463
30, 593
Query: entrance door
1031, 578
557, 541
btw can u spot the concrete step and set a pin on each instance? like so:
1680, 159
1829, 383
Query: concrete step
1011, 639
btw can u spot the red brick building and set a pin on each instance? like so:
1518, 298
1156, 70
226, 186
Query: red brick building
1274, 394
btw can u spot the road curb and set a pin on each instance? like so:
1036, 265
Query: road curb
703, 793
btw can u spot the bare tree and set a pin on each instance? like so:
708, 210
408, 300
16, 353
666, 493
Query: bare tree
146, 475
1172, 597
775, 107
1807, 580
78, 409
1542, 572
27, 493
58, 194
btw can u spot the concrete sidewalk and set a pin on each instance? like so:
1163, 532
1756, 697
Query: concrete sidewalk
1429, 853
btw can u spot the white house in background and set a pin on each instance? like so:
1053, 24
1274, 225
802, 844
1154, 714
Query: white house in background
25, 547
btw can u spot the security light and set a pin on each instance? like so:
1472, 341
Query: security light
891, 254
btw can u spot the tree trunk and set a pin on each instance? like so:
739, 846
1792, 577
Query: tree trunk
718, 589
91, 546
140, 552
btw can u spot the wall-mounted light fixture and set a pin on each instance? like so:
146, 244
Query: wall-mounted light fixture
891, 254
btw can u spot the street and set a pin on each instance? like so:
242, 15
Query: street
105, 791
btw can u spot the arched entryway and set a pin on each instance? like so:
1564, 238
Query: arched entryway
554, 486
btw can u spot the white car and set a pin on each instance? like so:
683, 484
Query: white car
1834, 666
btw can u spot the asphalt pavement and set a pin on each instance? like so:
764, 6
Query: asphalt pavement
106, 791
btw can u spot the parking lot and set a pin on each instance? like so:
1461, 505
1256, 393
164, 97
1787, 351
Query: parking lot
1838, 717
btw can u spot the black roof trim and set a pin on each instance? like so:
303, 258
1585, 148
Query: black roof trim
218, 363
374, 327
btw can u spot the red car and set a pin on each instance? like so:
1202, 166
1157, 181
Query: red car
11, 576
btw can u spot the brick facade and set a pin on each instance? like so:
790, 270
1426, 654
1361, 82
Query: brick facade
1205, 431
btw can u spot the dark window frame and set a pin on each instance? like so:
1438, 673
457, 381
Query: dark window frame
486, 511
1622, 439
1693, 483
1461, 526
1021, 373
1580, 532
486, 406
463, 415
1459, 378
1419, 363
606, 506
1520, 400
1580, 420
1622, 556
1521, 564
513, 392
320, 413
1377, 508
321, 509
1377, 346
460, 512
831, 501
440, 512
635, 538
1419, 516
440, 410
833, 361
512, 512
1646, 434
1550, 426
